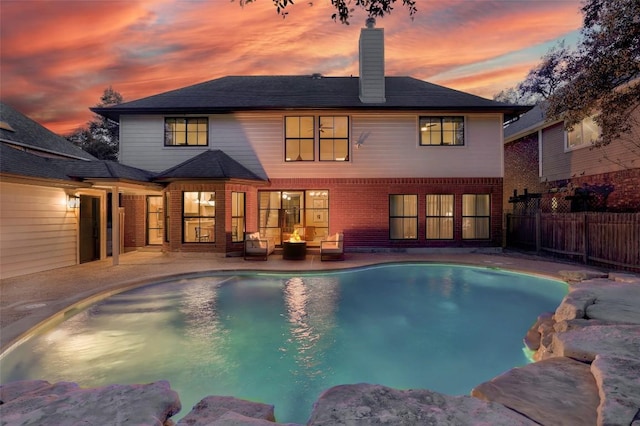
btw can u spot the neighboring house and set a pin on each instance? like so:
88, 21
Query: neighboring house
54, 198
394, 163
566, 170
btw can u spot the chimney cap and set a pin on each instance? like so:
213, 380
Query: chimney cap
370, 22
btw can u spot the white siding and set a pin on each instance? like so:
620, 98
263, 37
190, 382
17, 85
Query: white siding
389, 146
37, 233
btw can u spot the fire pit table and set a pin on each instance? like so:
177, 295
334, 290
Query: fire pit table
294, 250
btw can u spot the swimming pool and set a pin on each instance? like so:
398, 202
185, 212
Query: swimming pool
283, 338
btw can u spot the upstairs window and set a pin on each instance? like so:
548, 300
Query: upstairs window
334, 138
299, 138
438, 130
583, 134
186, 131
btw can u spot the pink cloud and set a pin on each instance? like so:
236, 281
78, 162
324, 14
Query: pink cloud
58, 56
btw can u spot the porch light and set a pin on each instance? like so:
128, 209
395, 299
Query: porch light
73, 202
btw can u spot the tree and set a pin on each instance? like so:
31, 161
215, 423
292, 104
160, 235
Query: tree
601, 78
541, 82
344, 9
100, 137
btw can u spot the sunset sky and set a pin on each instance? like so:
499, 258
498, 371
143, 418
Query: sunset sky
58, 56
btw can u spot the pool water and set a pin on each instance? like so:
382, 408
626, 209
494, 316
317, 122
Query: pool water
282, 339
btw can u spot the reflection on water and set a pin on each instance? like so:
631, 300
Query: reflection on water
310, 311
284, 339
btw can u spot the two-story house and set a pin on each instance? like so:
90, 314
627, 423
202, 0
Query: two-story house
564, 167
392, 162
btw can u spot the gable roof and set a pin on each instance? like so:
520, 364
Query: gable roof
245, 93
23, 131
211, 164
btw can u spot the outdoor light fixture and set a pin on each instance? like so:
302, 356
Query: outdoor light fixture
73, 202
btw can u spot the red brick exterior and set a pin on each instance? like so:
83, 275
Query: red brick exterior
626, 185
521, 159
134, 221
357, 207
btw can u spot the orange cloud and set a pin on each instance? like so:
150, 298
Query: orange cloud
57, 57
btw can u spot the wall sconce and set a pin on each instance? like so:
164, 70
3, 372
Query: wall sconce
73, 202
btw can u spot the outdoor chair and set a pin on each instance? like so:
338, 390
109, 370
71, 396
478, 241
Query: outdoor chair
256, 247
332, 247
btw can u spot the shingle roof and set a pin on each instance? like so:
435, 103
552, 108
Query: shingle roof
29, 133
237, 93
103, 169
211, 164
529, 122
16, 162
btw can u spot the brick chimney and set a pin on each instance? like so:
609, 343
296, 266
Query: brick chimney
372, 63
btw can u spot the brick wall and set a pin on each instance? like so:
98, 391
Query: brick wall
357, 207
134, 221
521, 159
626, 188
360, 207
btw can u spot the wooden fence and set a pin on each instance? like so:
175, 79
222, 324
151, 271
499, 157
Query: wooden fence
600, 238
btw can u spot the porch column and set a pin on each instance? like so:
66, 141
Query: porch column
115, 226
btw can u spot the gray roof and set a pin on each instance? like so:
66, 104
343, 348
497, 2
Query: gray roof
20, 163
16, 162
530, 122
104, 169
31, 134
211, 164
238, 93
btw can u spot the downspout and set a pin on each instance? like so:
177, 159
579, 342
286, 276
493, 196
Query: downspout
115, 226
540, 154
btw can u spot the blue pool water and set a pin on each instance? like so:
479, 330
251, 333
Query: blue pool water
282, 339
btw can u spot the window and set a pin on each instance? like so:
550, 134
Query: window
167, 218
237, 216
155, 218
403, 217
298, 138
334, 138
583, 134
199, 217
476, 213
439, 216
441, 130
186, 131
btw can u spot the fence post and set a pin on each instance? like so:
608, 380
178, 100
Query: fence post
538, 231
585, 236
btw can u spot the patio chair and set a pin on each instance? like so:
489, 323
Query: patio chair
256, 247
332, 247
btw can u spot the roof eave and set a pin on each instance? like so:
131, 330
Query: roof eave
115, 113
